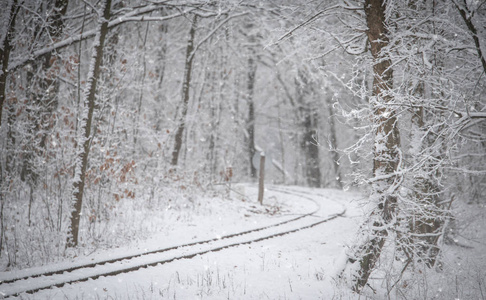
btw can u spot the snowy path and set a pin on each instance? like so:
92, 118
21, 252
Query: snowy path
321, 207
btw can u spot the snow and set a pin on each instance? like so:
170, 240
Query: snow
301, 264
296, 265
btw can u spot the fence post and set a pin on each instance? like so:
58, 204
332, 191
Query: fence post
262, 177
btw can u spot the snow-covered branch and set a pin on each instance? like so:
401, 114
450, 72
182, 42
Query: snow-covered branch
136, 15
210, 34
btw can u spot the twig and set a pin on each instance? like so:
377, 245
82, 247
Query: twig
400, 277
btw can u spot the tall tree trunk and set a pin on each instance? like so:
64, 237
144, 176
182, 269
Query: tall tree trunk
386, 145
214, 123
281, 140
310, 146
250, 125
333, 145
467, 15
426, 218
426, 221
84, 142
185, 93
5, 48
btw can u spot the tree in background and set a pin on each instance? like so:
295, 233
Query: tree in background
307, 103
186, 83
42, 78
250, 97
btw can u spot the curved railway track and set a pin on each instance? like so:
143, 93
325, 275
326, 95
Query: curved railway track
34, 282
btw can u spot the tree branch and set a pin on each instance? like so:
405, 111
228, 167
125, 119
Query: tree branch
467, 17
134, 16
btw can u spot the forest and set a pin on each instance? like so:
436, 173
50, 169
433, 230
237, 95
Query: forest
114, 111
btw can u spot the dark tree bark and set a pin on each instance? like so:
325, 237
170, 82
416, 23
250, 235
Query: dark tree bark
5, 53
5, 50
250, 94
387, 142
250, 125
310, 146
85, 142
185, 93
427, 219
4, 73
467, 18
214, 121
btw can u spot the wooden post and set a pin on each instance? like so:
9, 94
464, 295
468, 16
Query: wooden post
262, 177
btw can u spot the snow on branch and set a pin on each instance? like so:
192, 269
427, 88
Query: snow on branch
136, 15
213, 32
312, 19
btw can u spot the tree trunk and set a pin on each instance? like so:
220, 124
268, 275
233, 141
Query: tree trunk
333, 145
84, 142
185, 93
310, 146
5, 50
427, 220
261, 179
386, 145
281, 141
467, 18
5, 53
250, 126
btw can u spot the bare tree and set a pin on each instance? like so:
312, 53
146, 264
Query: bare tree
333, 143
467, 15
410, 201
386, 159
85, 138
6, 47
250, 94
186, 84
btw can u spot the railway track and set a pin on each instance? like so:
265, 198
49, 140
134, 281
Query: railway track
33, 282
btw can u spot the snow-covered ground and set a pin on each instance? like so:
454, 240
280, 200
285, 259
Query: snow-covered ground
299, 265
296, 265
